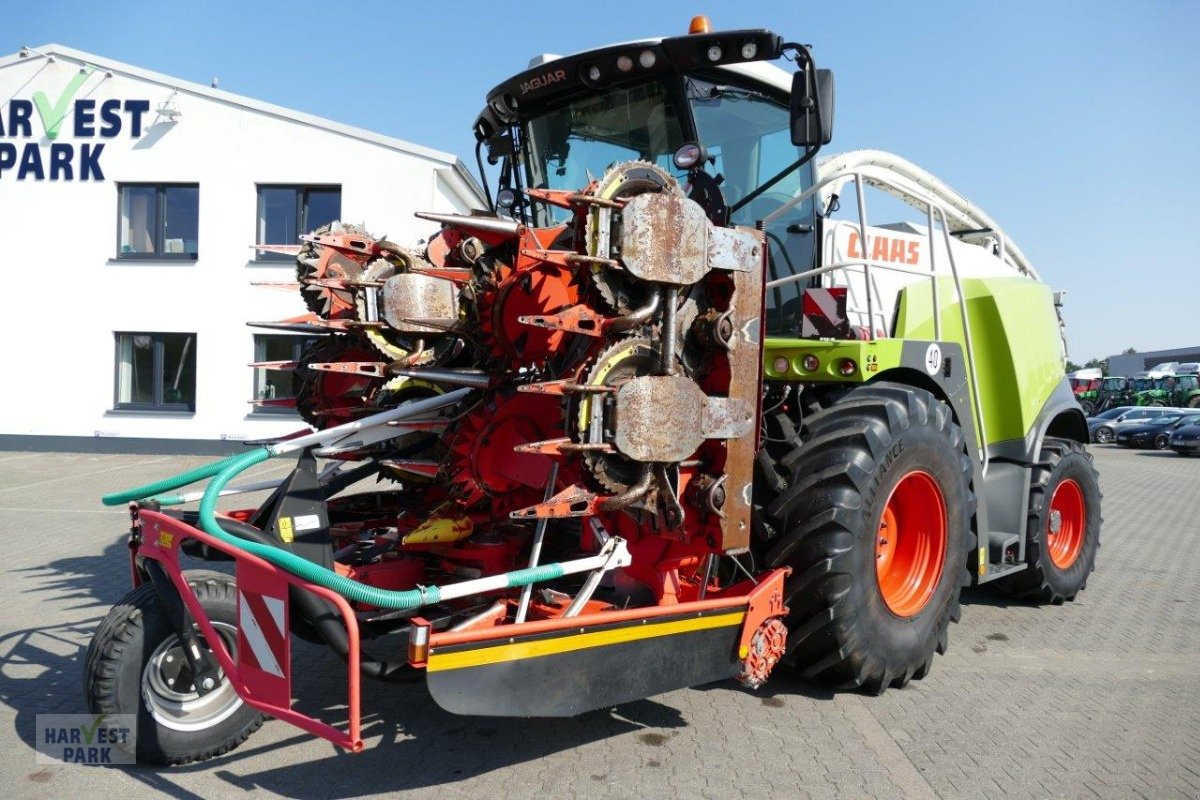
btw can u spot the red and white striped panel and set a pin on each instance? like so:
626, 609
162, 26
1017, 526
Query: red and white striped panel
823, 314
264, 644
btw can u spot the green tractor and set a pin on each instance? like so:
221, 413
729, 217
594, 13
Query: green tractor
1176, 391
1099, 396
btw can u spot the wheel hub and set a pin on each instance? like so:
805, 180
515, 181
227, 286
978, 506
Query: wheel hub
170, 694
910, 544
1066, 525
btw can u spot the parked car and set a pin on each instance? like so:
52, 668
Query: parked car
1103, 428
1185, 439
1155, 433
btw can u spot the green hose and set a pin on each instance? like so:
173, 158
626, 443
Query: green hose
226, 469
179, 481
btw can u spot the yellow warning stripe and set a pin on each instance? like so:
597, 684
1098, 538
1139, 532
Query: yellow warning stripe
576, 641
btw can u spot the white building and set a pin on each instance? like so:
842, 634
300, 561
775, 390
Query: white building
130, 203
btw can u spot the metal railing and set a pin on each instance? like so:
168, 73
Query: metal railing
933, 209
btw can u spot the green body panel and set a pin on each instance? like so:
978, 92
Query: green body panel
870, 359
1019, 358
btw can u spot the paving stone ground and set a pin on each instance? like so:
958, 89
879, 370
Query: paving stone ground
1099, 698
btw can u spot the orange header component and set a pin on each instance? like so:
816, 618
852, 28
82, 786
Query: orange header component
700, 24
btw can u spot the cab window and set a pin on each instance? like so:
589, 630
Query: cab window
749, 135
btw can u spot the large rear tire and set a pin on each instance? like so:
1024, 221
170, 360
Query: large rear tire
135, 665
875, 519
1063, 526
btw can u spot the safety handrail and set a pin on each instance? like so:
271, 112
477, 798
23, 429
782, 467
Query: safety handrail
933, 208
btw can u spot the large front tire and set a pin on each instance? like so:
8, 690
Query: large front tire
135, 665
875, 522
1063, 527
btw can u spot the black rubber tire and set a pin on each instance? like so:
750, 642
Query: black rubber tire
118, 654
1042, 581
825, 521
1194, 402
1161, 441
1088, 408
1104, 435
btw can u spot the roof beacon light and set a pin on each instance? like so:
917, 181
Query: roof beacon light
700, 24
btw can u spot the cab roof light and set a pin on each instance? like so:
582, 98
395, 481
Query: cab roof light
700, 24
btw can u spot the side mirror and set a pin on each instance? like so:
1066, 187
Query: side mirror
812, 90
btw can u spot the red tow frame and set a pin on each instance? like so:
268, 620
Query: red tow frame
161, 538
162, 535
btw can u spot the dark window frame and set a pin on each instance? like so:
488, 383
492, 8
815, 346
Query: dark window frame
299, 345
158, 384
160, 205
301, 218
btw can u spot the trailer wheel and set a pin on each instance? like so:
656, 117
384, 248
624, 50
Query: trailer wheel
1063, 527
134, 666
875, 522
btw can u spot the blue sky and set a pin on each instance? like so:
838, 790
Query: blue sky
1076, 125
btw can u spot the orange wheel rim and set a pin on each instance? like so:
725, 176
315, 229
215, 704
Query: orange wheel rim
910, 547
1064, 529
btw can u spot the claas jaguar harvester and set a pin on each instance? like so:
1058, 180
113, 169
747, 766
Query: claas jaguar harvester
657, 417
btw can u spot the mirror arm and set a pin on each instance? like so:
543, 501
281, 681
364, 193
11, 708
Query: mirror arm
487, 193
783, 173
804, 56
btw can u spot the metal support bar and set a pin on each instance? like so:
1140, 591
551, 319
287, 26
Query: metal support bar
589, 586
330, 436
205, 673
862, 239
970, 348
937, 311
535, 550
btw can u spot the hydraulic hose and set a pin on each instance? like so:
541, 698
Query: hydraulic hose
321, 616
226, 469
167, 484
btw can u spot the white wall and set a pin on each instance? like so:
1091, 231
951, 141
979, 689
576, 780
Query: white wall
67, 293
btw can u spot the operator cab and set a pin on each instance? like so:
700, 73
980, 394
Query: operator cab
565, 121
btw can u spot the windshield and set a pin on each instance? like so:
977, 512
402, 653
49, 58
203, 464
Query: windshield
1113, 384
1112, 412
573, 145
1142, 384
747, 133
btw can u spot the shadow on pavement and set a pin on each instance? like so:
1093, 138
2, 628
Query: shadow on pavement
419, 745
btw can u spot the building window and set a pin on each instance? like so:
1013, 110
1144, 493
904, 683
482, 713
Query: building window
285, 213
156, 371
276, 384
158, 221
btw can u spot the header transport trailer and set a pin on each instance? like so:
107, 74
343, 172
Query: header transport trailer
657, 417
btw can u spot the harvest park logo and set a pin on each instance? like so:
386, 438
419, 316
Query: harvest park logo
86, 119
86, 738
